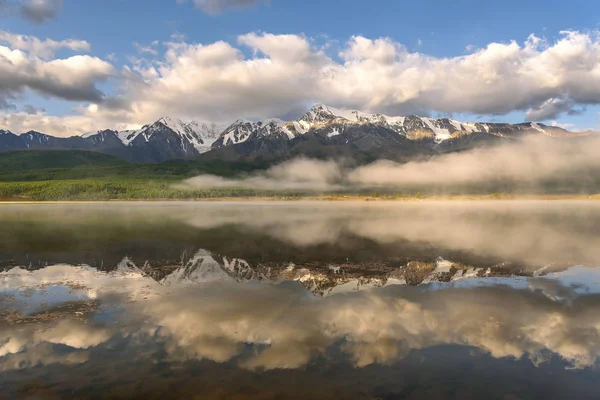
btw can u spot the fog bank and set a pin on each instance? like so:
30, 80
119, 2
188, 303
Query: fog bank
534, 164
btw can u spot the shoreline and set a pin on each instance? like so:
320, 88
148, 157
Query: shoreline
325, 198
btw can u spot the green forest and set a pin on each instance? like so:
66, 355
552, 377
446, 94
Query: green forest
47, 175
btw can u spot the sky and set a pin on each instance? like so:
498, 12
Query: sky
69, 67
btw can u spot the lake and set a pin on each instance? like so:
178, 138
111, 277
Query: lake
297, 300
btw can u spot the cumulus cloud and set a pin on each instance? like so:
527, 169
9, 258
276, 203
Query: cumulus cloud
266, 75
73, 78
37, 119
219, 6
550, 109
39, 11
286, 72
27, 63
43, 49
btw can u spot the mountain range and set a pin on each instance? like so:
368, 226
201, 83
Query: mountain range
322, 132
203, 266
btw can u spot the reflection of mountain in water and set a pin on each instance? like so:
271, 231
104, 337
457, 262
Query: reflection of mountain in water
176, 334
324, 279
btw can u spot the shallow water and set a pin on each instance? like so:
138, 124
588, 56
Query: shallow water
300, 300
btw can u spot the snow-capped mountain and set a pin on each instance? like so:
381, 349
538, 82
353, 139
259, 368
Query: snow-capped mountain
165, 139
244, 130
322, 126
199, 136
412, 127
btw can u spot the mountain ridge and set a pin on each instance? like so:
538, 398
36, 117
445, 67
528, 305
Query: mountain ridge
322, 128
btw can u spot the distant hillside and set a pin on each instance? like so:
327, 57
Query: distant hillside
50, 159
47, 165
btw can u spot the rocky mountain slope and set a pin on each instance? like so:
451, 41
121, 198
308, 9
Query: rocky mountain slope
322, 132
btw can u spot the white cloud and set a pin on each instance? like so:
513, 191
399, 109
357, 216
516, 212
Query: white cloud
27, 65
284, 73
71, 125
564, 126
550, 109
41, 48
147, 48
298, 174
73, 78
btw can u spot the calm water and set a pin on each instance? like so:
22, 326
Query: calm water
496, 300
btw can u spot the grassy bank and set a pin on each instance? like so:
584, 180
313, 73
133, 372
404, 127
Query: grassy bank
100, 190
94, 189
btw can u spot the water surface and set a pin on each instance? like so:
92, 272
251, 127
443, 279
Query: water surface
300, 300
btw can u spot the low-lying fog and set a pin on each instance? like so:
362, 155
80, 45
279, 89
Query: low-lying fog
534, 164
533, 232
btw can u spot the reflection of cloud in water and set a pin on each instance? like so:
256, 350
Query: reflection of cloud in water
378, 326
287, 328
533, 232
528, 231
29, 346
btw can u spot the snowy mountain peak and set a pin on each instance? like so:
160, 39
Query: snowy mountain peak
168, 120
413, 127
90, 134
318, 113
175, 124
199, 136
127, 136
243, 130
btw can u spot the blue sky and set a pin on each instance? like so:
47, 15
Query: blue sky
117, 29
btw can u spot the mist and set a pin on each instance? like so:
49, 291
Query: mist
531, 162
532, 165
533, 233
298, 174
